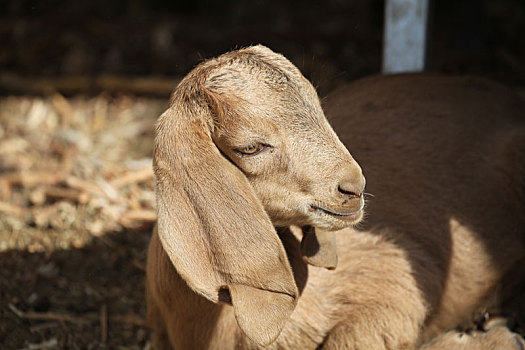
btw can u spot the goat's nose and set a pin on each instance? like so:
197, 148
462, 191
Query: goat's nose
352, 188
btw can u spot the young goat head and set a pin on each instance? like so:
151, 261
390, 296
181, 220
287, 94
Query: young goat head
244, 146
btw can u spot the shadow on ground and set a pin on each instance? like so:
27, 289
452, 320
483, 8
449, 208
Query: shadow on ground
87, 298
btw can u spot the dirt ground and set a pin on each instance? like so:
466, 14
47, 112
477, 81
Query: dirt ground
85, 298
81, 84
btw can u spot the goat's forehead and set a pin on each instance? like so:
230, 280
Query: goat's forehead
268, 123
263, 87
261, 102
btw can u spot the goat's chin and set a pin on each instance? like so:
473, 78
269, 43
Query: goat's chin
333, 223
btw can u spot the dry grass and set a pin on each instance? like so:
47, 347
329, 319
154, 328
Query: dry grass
73, 169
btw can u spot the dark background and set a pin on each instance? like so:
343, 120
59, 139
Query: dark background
331, 41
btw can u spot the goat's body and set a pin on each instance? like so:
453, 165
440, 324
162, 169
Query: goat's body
443, 158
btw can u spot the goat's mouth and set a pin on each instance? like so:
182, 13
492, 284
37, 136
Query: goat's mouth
341, 215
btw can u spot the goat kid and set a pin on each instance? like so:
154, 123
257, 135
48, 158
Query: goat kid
252, 184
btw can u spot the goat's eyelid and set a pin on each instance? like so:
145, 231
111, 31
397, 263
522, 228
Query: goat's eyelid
252, 149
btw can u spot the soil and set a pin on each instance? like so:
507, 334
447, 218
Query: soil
85, 298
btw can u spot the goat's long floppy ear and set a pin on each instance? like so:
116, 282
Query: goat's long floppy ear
214, 228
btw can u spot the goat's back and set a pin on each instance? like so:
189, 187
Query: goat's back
444, 159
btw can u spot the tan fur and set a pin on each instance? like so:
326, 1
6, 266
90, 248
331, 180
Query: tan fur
443, 158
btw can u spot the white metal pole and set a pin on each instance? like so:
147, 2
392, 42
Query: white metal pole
405, 32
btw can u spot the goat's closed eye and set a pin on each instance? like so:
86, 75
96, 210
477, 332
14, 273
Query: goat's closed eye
251, 149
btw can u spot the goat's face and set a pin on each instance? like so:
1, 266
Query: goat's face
275, 132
